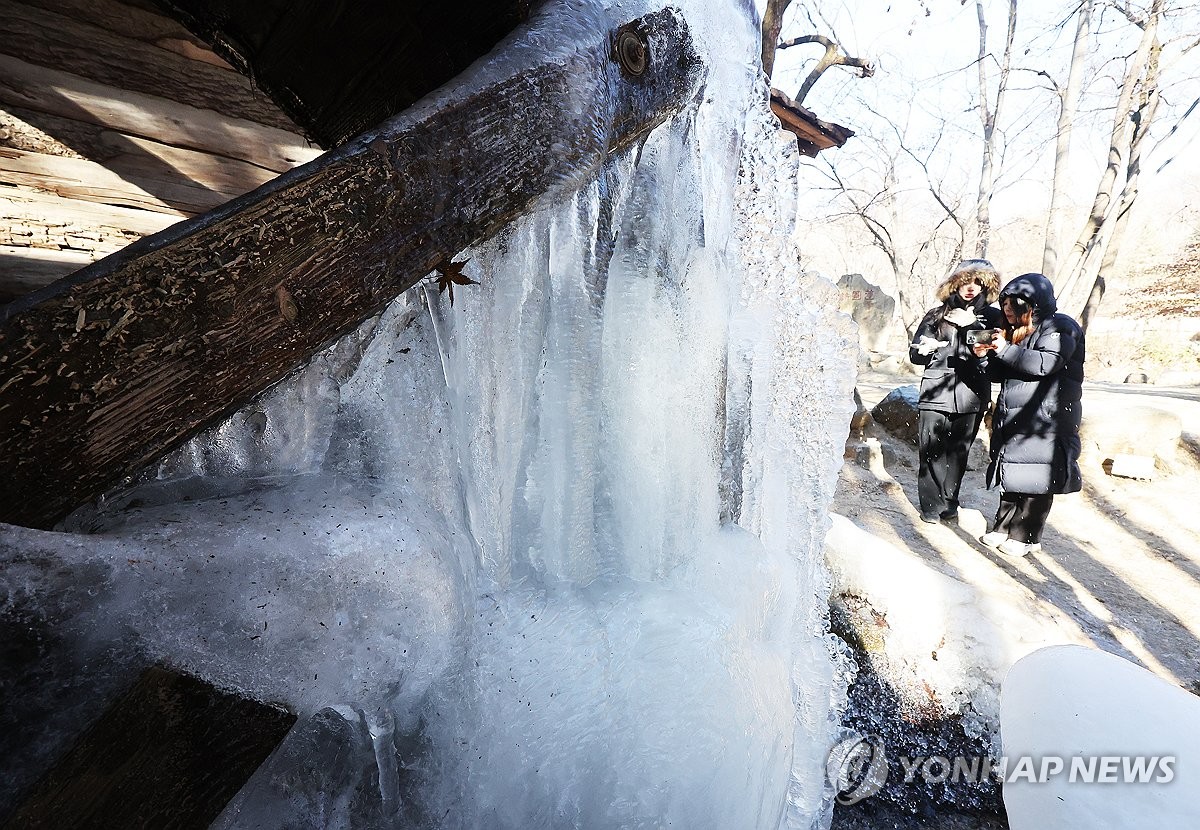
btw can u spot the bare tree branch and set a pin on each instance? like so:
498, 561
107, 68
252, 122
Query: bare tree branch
833, 57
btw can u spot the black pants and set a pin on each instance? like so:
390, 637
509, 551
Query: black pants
945, 441
1023, 516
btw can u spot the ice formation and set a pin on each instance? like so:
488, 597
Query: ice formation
1093, 740
548, 558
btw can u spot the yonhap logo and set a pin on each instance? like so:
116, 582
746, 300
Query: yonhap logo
857, 768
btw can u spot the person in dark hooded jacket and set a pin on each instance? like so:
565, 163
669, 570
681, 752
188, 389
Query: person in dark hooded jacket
955, 389
1038, 360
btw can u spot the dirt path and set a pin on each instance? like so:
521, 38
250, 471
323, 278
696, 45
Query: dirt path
1119, 568
1120, 562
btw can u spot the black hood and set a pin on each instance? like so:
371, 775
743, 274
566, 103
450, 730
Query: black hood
1034, 289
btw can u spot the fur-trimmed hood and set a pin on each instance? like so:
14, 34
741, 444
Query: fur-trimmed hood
967, 271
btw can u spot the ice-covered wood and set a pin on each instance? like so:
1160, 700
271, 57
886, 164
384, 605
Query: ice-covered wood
103, 372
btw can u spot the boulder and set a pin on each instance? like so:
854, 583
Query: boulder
870, 307
1132, 431
861, 418
897, 413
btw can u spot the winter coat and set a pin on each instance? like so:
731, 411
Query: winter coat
1035, 428
954, 379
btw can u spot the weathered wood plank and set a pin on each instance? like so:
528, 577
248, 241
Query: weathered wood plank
48, 39
53, 137
150, 27
104, 371
37, 88
28, 217
139, 174
75, 178
170, 753
27, 269
43, 237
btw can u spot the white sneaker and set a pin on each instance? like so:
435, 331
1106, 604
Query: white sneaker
1012, 547
994, 539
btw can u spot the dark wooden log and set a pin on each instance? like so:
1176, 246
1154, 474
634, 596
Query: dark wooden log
170, 753
104, 371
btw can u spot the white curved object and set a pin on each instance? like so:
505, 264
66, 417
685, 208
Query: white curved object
1092, 740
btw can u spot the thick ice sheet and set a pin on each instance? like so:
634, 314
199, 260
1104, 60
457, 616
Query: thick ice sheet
550, 557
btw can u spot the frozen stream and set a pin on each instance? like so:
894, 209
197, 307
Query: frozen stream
550, 557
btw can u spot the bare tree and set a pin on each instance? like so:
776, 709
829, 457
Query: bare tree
1099, 239
989, 114
772, 27
833, 57
1068, 103
917, 227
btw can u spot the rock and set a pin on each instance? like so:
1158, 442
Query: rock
861, 418
1131, 430
872, 455
897, 413
1136, 377
894, 363
1132, 466
870, 307
979, 456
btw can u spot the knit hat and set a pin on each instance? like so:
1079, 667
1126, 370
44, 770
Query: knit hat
967, 271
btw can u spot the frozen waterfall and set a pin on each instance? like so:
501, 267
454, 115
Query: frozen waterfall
551, 557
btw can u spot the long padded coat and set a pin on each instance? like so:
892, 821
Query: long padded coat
1035, 429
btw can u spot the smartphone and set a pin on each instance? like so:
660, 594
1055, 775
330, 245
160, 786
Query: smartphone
981, 337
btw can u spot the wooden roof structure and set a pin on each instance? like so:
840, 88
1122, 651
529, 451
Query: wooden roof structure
118, 118
812, 134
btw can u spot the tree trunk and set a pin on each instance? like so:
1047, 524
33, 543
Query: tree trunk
989, 116
772, 25
1135, 111
1068, 102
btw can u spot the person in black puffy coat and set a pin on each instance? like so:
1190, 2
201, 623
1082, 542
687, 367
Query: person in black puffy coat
955, 389
1038, 360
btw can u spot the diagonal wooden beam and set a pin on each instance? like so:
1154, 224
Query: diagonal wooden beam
107, 369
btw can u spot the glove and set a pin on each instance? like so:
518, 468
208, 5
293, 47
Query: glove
960, 317
927, 345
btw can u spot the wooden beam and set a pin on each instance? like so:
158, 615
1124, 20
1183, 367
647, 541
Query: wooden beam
27, 269
44, 237
122, 18
28, 86
141, 184
170, 753
40, 220
42, 37
812, 134
103, 372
